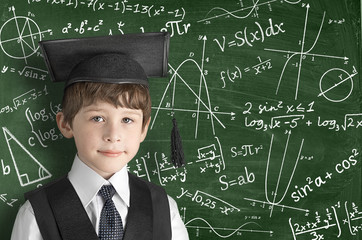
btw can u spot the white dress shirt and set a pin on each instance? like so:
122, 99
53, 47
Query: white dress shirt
87, 183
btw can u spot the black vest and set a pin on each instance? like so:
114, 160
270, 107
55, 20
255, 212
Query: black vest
60, 214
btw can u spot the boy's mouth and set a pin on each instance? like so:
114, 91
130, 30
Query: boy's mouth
110, 153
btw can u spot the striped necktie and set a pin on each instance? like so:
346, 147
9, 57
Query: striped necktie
110, 224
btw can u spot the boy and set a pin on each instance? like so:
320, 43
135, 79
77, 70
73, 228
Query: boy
106, 109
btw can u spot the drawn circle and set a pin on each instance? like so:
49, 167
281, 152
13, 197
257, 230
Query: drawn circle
19, 37
336, 85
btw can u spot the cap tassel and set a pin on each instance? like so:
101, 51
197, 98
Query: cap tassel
177, 154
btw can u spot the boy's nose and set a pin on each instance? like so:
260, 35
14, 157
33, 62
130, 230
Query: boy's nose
112, 139
112, 133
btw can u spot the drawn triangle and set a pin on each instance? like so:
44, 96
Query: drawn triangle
28, 35
27, 167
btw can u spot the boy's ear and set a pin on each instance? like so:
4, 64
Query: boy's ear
145, 129
63, 126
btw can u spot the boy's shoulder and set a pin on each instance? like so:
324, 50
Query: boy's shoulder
154, 188
151, 200
41, 190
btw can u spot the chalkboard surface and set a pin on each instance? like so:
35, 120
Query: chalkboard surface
267, 95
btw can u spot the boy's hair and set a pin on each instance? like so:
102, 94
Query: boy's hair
82, 94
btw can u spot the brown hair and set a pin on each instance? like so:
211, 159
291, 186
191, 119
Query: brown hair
82, 94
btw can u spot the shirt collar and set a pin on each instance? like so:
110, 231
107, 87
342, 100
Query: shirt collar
87, 182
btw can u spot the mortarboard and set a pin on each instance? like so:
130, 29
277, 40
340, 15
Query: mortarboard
129, 58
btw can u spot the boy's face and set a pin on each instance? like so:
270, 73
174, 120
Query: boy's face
106, 137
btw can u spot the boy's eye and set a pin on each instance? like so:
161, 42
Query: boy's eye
98, 119
127, 120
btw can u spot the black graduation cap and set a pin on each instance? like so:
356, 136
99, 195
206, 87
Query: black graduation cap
128, 58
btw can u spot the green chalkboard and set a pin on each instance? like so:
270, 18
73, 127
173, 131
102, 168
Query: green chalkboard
267, 95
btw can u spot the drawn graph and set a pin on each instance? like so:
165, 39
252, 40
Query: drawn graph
219, 231
302, 55
19, 36
203, 106
27, 167
276, 200
241, 13
199, 223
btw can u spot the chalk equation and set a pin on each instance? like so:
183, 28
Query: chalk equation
125, 6
248, 38
208, 201
314, 183
40, 117
10, 202
164, 171
343, 219
24, 99
235, 74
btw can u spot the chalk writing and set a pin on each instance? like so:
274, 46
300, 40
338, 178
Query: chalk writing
40, 134
6, 168
335, 217
164, 171
28, 96
123, 7
28, 72
245, 150
246, 178
9, 202
83, 27
209, 201
211, 156
247, 37
176, 27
